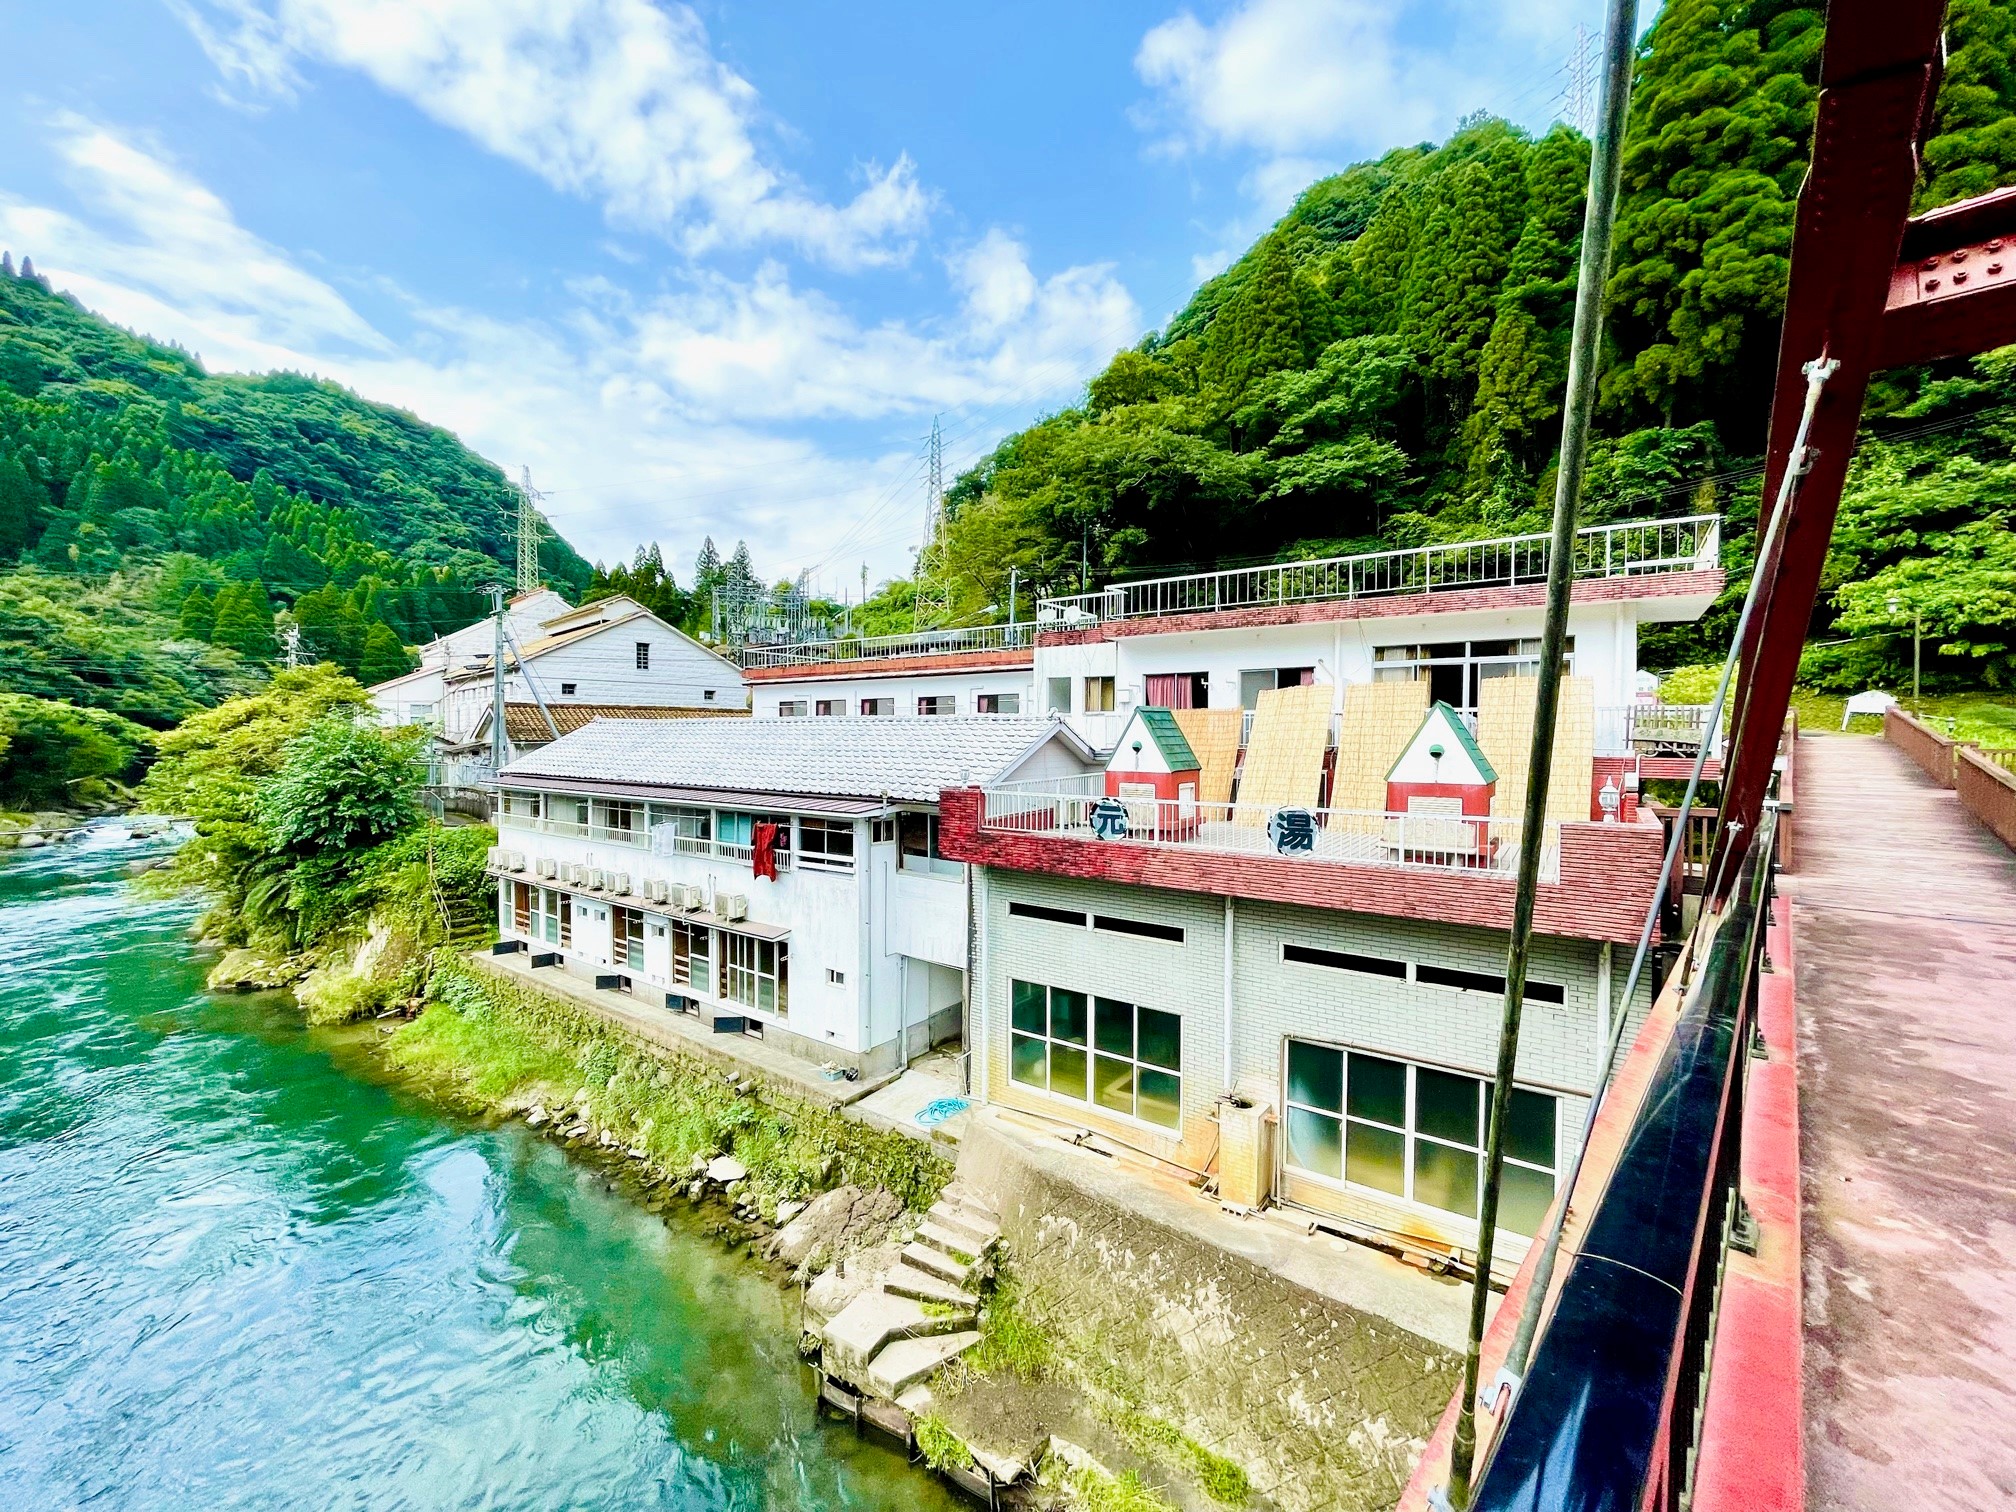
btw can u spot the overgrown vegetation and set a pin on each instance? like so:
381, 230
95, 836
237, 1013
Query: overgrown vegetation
308, 823
1010, 1343
940, 1447
54, 755
1221, 1480
495, 1045
1093, 1490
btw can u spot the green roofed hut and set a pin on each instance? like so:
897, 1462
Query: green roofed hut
1155, 773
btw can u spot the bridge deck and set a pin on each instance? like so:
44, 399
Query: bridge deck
1905, 920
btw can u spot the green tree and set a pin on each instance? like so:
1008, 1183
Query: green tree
243, 624
1260, 329
24, 508
1447, 301
198, 619
343, 785
56, 753
384, 657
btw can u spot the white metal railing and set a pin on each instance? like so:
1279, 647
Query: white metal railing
459, 772
667, 841
1625, 549
607, 834
1346, 837
857, 648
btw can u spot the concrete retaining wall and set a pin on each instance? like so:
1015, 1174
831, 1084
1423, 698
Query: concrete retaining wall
1323, 1405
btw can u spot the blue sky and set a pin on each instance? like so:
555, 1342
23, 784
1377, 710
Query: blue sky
709, 268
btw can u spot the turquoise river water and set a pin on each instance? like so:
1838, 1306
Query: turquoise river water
239, 1269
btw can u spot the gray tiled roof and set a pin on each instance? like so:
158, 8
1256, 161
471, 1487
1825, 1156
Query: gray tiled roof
911, 759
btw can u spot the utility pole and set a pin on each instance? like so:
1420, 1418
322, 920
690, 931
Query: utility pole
1013, 574
528, 532
500, 747
1579, 106
293, 647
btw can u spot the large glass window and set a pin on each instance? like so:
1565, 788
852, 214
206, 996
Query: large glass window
999, 703
1415, 1132
626, 944
553, 916
826, 844
1454, 670
521, 907
692, 954
937, 703
917, 843
689, 828
754, 972
1101, 1051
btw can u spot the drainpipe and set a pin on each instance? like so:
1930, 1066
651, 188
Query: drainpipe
1228, 992
1605, 1008
977, 985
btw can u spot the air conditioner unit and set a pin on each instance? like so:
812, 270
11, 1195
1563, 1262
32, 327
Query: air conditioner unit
515, 860
689, 896
548, 867
732, 907
656, 892
494, 856
598, 880
619, 884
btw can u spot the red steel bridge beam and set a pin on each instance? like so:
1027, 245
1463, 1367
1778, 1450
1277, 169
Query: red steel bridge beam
1869, 289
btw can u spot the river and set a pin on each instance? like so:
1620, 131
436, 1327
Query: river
239, 1269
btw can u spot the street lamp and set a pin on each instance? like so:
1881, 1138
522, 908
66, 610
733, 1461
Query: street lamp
1917, 647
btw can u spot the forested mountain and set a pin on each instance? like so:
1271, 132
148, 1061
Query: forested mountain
1385, 366
156, 518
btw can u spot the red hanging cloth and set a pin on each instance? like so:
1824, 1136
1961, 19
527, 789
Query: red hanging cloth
763, 847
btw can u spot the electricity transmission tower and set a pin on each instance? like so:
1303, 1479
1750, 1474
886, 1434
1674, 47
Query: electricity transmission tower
528, 532
934, 585
1578, 105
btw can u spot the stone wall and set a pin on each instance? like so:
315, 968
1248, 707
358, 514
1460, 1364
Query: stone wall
1325, 1406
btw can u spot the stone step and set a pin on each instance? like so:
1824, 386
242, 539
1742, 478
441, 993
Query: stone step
909, 1281
937, 1262
906, 1362
981, 1231
955, 1242
875, 1319
968, 1197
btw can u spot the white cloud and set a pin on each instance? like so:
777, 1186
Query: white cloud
1286, 76
663, 418
620, 101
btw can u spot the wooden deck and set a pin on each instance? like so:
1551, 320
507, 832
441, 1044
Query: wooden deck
1904, 912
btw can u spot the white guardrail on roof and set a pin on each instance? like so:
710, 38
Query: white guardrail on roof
859, 648
1632, 548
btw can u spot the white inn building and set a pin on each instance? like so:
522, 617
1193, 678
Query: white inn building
780, 879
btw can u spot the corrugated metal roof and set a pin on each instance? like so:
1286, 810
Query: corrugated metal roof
911, 759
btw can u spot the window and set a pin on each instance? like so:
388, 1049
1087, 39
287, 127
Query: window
1484, 981
1178, 690
1048, 915
521, 907
1098, 695
835, 977
740, 829
419, 713
878, 706
617, 819
1344, 960
1456, 669
1140, 927
753, 972
937, 703
567, 690
522, 805
999, 703
707, 696
1058, 694
917, 835
791, 708
1415, 1132
692, 953
830, 706
826, 844
883, 832
553, 916
626, 938
643, 656
1253, 683
687, 827
1116, 1056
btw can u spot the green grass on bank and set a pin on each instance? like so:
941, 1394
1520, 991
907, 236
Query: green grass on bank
1987, 719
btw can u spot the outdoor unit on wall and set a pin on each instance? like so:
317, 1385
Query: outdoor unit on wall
598, 879
495, 856
575, 874
620, 884
689, 896
731, 906
656, 892
515, 860
548, 867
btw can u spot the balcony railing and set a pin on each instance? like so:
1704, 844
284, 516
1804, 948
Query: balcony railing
1076, 808
858, 648
1627, 549
602, 833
